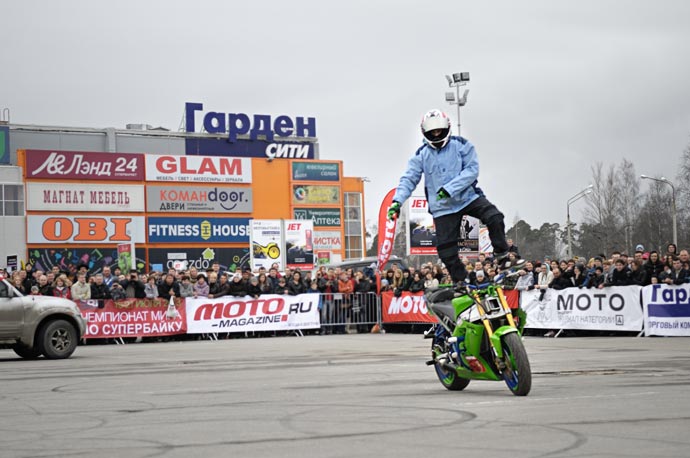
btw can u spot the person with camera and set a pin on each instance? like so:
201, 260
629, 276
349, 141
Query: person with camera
133, 287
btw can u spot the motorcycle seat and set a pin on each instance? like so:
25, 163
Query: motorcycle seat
444, 309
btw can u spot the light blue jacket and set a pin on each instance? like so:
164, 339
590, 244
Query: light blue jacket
454, 168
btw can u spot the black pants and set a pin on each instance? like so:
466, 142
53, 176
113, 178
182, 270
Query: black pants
448, 234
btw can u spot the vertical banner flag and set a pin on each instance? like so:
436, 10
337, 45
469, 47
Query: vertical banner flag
267, 242
126, 259
386, 233
421, 233
299, 244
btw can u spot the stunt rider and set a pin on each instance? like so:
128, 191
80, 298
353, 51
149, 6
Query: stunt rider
450, 169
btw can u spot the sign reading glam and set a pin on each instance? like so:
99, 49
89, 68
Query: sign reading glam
199, 169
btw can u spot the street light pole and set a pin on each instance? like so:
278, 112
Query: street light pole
577, 196
457, 80
673, 198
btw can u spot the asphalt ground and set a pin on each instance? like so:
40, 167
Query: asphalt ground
344, 396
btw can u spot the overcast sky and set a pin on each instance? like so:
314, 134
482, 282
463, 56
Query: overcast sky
554, 87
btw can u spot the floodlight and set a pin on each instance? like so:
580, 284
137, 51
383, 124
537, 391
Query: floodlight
450, 97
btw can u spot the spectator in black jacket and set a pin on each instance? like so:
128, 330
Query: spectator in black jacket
253, 288
638, 275
676, 276
168, 288
296, 286
621, 274
417, 283
133, 287
559, 280
99, 290
653, 266
223, 288
237, 287
281, 286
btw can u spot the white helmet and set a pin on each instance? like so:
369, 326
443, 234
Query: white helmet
436, 129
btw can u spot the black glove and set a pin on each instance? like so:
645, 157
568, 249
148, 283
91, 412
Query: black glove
394, 210
442, 194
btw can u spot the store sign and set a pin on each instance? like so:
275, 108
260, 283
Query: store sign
420, 226
327, 240
197, 199
249, 148
77, 165
299, 244
322, 217
315, 194
4, 144
315, 171
200, 230
198, 169
228, 259
42, 196
84, 229
267, 243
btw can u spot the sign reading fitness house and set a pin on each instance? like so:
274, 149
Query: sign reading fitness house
202, 230
78, 165
199, 169
196, 199
84, 197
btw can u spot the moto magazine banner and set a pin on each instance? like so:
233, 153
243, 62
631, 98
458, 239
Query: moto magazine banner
421, 233
615, 308
666, 310
133, 318
269, 312
408, 308
299, 244
267, 242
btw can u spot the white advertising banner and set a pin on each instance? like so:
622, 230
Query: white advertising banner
666, 310
84, 197
616, 308
269, 312
327, 240
299, 245
421, 232
267, 242
198, 169
85, 229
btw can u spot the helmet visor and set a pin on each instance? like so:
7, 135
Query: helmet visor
436, 135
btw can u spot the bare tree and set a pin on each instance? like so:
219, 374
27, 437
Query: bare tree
628, 195
603, 205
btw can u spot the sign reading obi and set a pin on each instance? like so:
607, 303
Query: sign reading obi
84, 197
76, 165
666, 310
84, 229
269, 312
410, 307
199, 169
421, 233
299, 246
615, 308
133, 318
267, 243
315, 194
197, 199
315, 171
188, 230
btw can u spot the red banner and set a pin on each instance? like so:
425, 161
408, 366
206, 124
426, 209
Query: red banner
76, 165
512, 297
410, 308
133, 318
386, 231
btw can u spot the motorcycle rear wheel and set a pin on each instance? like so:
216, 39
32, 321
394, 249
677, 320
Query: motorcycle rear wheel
517, 374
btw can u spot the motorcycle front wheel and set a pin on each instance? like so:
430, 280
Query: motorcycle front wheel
517, 374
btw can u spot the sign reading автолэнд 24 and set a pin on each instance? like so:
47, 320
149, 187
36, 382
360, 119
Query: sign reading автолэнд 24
235, 124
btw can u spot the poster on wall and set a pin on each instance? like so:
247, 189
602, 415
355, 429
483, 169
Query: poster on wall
126, 257
299, 245
484, 240
69, 259
103, 229
183, 258
83, 197
303, 194
267, 243
421, 233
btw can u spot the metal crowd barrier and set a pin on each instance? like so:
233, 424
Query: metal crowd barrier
350, 313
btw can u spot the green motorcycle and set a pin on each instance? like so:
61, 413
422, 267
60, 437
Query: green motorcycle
477, 337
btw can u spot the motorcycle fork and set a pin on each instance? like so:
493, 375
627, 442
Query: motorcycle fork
489, 330
506, 307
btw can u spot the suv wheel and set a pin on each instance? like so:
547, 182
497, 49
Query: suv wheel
58, 339
26, 352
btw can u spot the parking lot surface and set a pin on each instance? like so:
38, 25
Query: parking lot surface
344, 396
